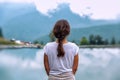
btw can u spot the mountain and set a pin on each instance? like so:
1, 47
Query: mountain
105, 31
24, 22
11, 10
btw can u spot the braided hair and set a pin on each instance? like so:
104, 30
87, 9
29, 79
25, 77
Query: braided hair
61, 30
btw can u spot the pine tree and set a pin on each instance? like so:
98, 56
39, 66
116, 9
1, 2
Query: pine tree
113, 41
98, 40
84, 41
92, 39
1, 35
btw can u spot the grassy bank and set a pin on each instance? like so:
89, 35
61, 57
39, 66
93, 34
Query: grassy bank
6, 42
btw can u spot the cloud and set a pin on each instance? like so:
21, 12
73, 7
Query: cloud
96, 9
17, 1
45, 6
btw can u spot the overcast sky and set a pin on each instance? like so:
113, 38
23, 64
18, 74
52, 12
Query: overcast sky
98, 9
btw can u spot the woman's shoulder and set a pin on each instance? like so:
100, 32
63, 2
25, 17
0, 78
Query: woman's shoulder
68, 44
50, 43
71, 43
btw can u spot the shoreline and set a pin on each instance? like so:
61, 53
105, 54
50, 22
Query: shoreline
99, 46
40, 47
19, 46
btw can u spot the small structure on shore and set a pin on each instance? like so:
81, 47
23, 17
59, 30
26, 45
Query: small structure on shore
20, 42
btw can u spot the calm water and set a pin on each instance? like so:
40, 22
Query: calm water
27, 64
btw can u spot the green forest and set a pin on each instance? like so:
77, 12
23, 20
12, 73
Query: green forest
98, 40
91, 40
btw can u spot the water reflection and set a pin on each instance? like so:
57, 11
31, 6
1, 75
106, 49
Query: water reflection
27, 64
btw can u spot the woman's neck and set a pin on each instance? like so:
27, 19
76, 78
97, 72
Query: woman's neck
64, 41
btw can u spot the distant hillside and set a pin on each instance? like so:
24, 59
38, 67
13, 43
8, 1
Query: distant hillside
12, 10
24, 22
106, 31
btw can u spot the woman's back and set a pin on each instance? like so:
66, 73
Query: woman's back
63, 64
61, 57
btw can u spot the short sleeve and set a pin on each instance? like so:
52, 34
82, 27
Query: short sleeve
45, 49
76, 49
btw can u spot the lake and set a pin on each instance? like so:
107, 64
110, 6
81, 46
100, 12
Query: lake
27, 64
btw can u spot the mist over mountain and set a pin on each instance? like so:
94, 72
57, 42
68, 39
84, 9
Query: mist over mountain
24, 22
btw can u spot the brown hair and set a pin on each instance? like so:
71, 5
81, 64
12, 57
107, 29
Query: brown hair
61, 30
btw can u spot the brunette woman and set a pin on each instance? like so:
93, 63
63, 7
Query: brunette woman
61, 57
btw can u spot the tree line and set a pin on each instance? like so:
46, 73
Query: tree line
91, 40
97, 40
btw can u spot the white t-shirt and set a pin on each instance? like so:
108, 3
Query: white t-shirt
60, 65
